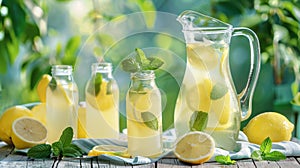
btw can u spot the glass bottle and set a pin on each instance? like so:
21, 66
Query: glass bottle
102, 101
61, 102
144, 115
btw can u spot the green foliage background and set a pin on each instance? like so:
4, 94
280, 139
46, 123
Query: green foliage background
37, 34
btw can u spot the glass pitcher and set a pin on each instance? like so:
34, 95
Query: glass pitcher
207, 100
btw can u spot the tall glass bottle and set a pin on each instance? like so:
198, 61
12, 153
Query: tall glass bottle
102, 100
144, 115
61, 102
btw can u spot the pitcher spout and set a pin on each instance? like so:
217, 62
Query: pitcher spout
191, 20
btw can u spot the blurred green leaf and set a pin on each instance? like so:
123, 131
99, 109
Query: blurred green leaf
71, 50
149, 9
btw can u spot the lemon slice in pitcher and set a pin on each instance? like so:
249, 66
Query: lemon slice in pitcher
202, 56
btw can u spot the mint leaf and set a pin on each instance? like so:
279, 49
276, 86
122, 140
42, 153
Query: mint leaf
40, 151
256, 155
198, 121
150, 120
66, 137
53, 84
72, 151
142, 59
218, 91
265, 152
94, 85
224, 160
130, 65
266, 145
57, 148
141, 62
155, 63
274, 156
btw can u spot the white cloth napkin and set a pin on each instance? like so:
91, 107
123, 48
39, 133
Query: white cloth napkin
244, 148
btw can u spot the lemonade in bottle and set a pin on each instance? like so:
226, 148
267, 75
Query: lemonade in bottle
144, 115
61, 102
102, 101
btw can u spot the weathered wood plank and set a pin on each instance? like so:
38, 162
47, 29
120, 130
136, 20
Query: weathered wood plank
245, 163
174, 163
13, 164
37, 163
5, 151
266, 164
289, 162
214, 165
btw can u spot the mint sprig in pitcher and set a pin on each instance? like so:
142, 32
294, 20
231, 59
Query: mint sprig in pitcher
208, 100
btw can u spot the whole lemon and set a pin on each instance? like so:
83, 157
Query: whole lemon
42, 87
39, 112
269, 124
7, 119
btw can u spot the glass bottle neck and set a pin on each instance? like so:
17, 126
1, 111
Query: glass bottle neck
62, 71
143, 80
105, 69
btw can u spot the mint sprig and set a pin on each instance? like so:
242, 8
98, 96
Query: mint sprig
264, 153
226, 160
59, 149
141, 62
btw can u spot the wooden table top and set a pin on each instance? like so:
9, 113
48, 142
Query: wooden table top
16, 160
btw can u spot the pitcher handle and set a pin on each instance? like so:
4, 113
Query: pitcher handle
246, 94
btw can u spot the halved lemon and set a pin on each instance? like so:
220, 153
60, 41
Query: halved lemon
28, 132
113, 150
195, 147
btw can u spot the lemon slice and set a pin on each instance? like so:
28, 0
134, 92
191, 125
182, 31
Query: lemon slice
195, 147
102, 101
42, 87
198, 97
113, 150
81, 126
140, 101
63, 91
202, 56
28, 132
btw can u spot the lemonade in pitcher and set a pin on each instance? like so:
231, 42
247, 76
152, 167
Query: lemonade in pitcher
62, 102
207, 92
207, 100
102, 103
